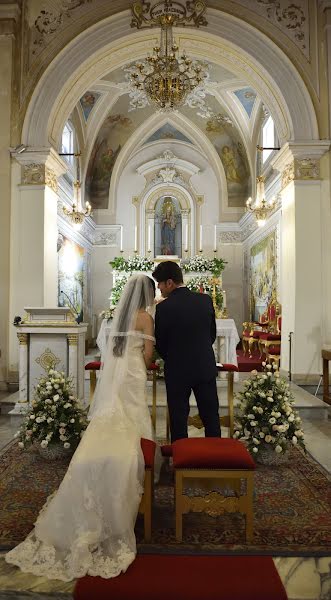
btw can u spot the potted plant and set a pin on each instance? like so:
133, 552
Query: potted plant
55, 422
268, 421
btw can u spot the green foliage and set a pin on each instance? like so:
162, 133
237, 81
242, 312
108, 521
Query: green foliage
204, 284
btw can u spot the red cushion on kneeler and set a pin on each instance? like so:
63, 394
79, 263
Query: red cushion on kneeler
274, 349
148, 448
163, 577
227, 367
211, 453
270, 336
166, 450
94, 365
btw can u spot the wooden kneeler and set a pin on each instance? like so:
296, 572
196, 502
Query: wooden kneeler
145, 508
205, 462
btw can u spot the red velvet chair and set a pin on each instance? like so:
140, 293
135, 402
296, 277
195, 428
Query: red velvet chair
204, 463
271, 338
93, 367
273, 354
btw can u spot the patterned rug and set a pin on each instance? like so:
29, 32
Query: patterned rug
291, 509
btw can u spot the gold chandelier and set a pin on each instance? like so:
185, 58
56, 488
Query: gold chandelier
165, 77
261, 207
77, 216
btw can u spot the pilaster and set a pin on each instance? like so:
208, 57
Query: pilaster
33, 233
303, 257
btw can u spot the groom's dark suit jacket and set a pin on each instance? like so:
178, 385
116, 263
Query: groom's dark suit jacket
185, 330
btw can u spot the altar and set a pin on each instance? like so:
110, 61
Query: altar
225, 345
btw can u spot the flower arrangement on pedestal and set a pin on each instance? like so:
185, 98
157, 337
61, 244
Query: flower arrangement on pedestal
268, 422
55, 416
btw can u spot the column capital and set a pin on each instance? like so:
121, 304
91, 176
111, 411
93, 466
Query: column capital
40, 166
324, 4
300, 160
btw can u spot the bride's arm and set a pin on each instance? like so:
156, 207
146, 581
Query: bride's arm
148, 329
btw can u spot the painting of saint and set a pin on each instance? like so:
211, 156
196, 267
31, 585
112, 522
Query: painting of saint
230, 165
168, 229
167, 235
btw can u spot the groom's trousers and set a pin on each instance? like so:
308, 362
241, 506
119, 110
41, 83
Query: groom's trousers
178, 395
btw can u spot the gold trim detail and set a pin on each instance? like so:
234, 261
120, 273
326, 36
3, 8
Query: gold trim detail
301, 169
23, 338
47, 359
213, 504
72, 339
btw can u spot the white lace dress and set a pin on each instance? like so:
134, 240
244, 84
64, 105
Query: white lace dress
87, 526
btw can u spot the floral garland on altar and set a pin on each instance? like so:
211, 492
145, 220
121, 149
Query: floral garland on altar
133, 263
199, 264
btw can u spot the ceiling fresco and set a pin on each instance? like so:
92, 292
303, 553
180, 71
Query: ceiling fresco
168, 132
246, 97
113, 134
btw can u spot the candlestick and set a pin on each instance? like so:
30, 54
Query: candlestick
215, 239
135, 238
149, 239
121, 239
200, 238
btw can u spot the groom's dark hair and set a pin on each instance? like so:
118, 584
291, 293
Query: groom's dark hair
168, 270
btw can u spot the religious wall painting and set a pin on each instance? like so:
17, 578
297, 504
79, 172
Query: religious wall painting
88, 102
112, 136
263, 275
71, 276
168, 227
227, 142
246, 97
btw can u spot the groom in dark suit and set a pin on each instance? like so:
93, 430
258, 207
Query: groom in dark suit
185, 330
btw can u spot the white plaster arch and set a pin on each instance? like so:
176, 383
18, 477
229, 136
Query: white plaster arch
202, 145
227, 40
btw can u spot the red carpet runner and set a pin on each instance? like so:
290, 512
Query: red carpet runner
165, 577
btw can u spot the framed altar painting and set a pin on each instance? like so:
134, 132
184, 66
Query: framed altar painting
263, 274
71, 276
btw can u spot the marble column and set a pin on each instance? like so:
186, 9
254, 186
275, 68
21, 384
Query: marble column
33, 234
73, 360
301, 257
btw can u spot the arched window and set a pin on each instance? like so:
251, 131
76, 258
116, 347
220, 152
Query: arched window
268, 137
67, 144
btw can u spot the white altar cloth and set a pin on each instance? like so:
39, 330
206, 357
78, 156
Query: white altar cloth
226, 342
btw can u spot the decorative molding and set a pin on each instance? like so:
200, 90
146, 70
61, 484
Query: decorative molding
307, 168
107, 235
51, 179
39, 174
230, 237
288, 174
167, 174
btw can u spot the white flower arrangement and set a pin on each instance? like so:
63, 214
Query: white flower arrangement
267, 415
55, 415
133, 263
201, 265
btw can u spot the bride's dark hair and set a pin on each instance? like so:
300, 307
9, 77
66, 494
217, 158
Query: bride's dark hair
138, 293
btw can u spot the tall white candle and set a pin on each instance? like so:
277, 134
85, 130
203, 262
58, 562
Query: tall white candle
200, 237
121, 239
186, 237
135, 238
149, 238
224, 298
215, 238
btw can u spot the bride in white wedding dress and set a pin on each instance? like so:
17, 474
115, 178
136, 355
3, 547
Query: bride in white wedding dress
87, 526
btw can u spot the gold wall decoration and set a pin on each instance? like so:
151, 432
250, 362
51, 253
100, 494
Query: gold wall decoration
301, 169
48, 359
143, 15
39, 174
72, 339
288, 174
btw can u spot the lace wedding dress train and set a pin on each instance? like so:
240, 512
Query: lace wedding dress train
87, 526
